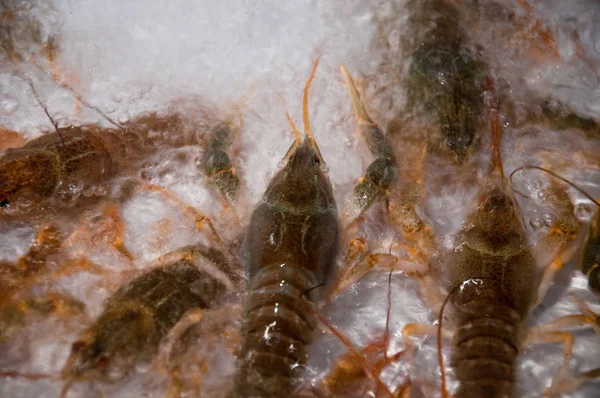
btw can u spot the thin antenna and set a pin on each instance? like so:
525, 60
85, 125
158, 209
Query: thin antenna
294, 129
305, 100
36, 96
81, 99
553, 174
496, 131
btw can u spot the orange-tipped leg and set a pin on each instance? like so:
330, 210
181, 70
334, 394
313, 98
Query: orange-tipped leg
357, 366
382, 172
552, 333
202, 222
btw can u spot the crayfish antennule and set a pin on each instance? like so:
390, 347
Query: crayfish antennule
496, 131
297, 135
305, 100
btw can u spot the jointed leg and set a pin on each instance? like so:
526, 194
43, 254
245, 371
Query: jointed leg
108, 227
190, 212
380, 174
357, 365
553, 333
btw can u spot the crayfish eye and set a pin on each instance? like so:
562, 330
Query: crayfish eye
103, 361
78, 346
3, 200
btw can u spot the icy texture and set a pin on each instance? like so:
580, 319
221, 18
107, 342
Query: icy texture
253, 57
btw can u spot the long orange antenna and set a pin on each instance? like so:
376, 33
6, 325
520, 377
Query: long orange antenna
496, 130
305, 101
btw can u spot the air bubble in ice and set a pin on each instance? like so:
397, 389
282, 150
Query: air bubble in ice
101, 190
549, 218
584, 211
123, 118
8, 105
88, 192
536, 223
143, 367
271, 154
349, 142
543, 195
535, 185
24, 204
115, 373
61, 119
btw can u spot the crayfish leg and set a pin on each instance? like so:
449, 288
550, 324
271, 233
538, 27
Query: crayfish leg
592, 317
573, 383
110, 227
216, 163
201, 221
382, 172
560, 259
549, 334
47, 242
196, 326
13, 315
358, 365
31, 265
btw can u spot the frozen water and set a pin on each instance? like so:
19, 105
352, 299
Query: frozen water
253, 58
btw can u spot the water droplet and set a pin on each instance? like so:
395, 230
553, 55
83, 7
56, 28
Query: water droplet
123, 118
584, 211
349, 142
549, 218
24, 204
543, 195
143, 367
87, 192
114, 373
101, 190
8, 105
61, 119
535, 185
536, 223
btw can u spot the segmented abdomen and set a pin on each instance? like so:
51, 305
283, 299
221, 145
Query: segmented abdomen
485, 349
278, 327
